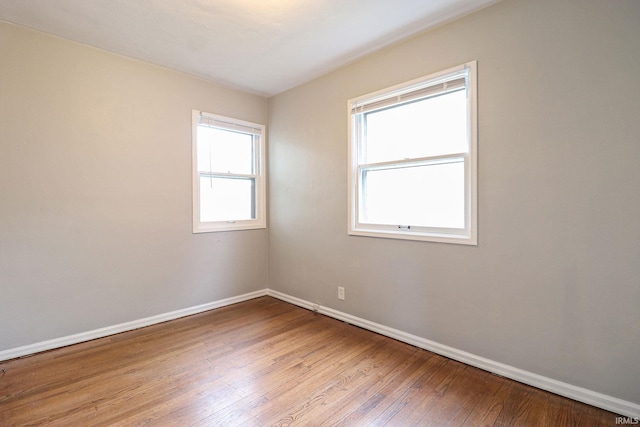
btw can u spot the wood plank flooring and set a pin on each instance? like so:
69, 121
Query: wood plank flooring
265, 362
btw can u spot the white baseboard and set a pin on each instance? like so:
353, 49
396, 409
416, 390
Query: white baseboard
123, 327
580, 394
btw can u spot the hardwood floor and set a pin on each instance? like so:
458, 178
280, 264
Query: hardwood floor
265, 362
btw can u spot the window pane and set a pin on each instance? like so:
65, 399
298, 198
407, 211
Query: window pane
429, 127
425, 196
224, 151
226, 199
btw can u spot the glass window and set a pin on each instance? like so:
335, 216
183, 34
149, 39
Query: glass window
413, 152
228, 185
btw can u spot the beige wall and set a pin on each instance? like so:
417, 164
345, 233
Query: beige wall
95, 179
554, 285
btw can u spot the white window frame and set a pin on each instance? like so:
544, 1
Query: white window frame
259, 175
394, 95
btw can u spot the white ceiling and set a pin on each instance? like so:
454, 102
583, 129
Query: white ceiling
261, 46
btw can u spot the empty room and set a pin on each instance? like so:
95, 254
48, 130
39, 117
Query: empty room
319, 212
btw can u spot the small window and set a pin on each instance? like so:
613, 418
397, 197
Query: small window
412, 159
228, 174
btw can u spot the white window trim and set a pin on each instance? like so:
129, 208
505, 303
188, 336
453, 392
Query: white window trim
260, 176
469, 236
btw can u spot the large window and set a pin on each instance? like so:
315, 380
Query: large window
228, 174
412, 159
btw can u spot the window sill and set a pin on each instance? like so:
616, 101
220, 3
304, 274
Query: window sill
419, 236
225, 226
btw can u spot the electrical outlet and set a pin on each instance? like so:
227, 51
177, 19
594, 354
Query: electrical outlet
341, 293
